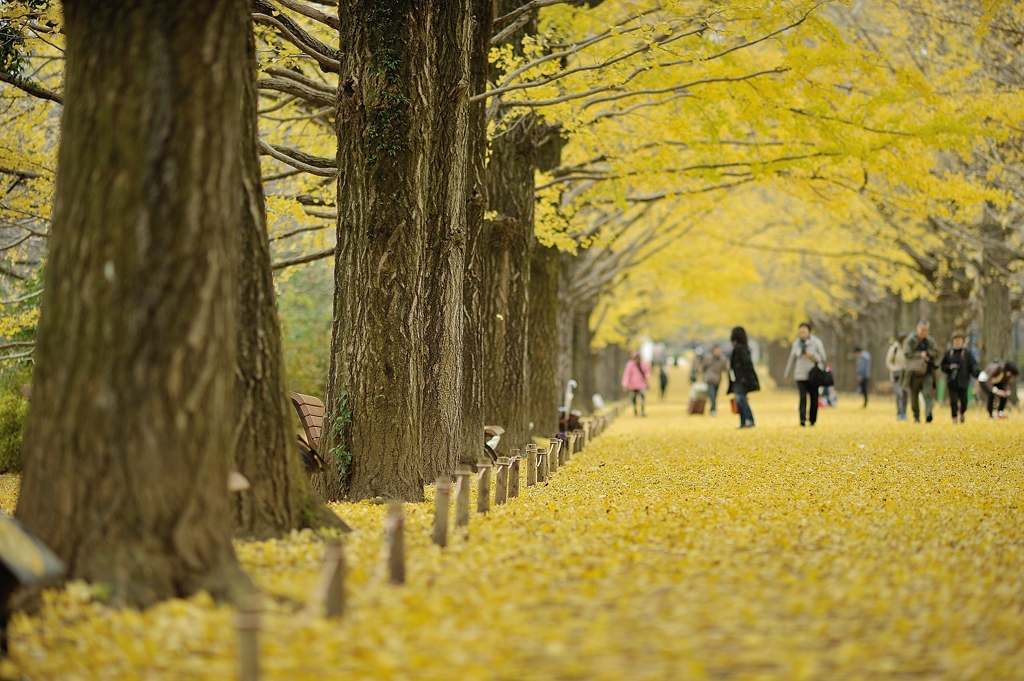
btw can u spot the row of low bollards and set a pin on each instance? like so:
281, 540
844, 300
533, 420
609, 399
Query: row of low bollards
328, 598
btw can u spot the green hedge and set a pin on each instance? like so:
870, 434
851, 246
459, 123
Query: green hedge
13, 409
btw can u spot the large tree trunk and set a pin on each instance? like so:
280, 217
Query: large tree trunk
279, 499
583, 359
445, 255
566, 317
996, 325
130, 431
384, 132
543, 345
510, 192
472, 285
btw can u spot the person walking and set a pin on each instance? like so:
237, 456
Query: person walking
894, 361
921, 353
996, 383
663, 378
743, 378
714, 365
808, 351
634, 379
960, 367
863, 373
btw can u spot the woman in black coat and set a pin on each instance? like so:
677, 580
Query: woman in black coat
742, 377
960, 367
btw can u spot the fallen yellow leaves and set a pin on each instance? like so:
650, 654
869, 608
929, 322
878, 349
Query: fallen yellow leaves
673, 547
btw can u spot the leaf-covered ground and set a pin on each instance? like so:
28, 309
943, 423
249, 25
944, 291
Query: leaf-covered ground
675, 547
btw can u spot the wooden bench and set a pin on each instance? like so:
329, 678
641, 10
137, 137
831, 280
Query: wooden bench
311, 416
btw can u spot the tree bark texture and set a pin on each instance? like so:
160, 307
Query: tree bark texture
583, 359
443, 272
279, 498
510, 193
566, 315
374, 388
130, 435
996, 321
476, 203
542, 349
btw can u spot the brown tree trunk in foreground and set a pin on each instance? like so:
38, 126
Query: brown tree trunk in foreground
279, 499
384, 133
472, 285
543, 345
446, 234
130, 435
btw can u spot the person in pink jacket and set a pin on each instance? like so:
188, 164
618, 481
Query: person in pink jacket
634, 378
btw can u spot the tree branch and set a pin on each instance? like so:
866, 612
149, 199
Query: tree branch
303, 259
307, 163
29, 88
312, 13
327, 57
291, 87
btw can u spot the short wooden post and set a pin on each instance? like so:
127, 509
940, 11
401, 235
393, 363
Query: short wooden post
247, 622
395, 533
558, 452
483, 492
552, 458
543, 472
462, 474
334, 566
501, 481
513, 475
442, 496
563, 450
531, 466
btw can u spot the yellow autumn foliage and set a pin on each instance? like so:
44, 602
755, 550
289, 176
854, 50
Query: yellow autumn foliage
673, 547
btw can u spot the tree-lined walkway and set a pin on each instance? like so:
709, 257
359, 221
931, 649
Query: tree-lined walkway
674, 547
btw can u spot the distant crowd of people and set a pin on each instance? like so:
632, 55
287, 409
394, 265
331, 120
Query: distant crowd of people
913, 361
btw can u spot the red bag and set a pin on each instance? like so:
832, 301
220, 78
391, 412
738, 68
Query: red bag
735, 407
697, 406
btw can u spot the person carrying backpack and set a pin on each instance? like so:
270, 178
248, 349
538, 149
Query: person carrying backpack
960, 367
634, 379
922, 355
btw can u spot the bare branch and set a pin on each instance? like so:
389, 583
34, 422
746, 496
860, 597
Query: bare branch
663, 40
19, 172
314, 165
326, 56
22, 299
17, 344
31, 89
296, 89
303, 259
527, 8
300, 230
312, 13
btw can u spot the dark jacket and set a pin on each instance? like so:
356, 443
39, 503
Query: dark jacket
743, 369
960, 367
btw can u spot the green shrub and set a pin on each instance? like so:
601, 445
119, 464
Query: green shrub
13, 409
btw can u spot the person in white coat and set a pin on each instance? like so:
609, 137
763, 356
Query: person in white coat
894, 362
808, 351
